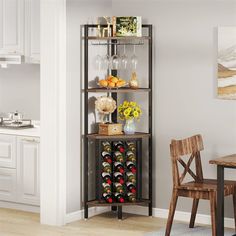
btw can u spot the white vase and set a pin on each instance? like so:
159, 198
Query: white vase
130, 127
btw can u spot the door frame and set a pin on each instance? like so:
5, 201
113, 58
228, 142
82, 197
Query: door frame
53, 112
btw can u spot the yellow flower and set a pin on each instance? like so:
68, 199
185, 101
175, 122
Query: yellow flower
136, 114
133, 104
125, 104
126, 112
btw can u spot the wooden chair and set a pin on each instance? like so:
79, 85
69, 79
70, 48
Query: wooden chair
199, 188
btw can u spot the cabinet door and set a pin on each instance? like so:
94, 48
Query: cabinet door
7, 151
11, 26
28, 170
32, 31
8, 184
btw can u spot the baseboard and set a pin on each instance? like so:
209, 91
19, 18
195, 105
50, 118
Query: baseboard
18, 206
179, 215
79, 215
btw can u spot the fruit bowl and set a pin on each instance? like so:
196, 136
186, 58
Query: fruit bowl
112, 82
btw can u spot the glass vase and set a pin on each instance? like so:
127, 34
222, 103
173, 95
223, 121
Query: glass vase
129, 127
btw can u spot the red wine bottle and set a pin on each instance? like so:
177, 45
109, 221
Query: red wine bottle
131, 166
106, 157
131, 187
119, 197
130, 156
107, 197
106, 167
119, 146
119, 167
106, 177
106, 146
118, 177
118, 156
106, 188
118, 188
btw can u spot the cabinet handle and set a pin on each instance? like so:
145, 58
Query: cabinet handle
31, 140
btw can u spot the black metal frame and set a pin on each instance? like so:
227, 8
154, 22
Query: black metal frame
113, 45
220, 199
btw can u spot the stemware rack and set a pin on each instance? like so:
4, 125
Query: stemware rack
97, 139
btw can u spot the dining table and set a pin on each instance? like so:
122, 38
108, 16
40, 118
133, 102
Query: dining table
228, 161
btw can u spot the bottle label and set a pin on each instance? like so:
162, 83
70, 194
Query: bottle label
105, 185
105, 174
104, 153
117, 163
106, 164
117, 185
117, 153
117, 174
129, 174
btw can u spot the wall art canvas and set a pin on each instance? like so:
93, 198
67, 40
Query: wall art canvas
227, 62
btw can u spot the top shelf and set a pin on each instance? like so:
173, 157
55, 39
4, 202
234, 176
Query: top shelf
117, 38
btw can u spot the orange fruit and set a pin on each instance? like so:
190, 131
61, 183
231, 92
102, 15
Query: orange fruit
103, 83
111, 84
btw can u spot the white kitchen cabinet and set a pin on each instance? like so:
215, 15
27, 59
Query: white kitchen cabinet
8, 184
32, 31
7, 151
11, 26
28, 170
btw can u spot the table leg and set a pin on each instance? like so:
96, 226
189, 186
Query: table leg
220, 201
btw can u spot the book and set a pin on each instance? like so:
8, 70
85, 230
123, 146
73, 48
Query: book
127, 26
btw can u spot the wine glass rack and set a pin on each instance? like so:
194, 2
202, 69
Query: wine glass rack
131, 191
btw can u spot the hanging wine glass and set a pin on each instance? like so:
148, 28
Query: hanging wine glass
134, 60
115, 62
124, 60
98, 62
106, 62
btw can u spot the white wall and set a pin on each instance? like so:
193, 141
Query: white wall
20, 90
185, 46
185, 102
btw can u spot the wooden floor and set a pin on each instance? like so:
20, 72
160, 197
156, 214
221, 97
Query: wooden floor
20, 223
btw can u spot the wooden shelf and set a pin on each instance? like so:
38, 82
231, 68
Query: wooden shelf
143, 202
120, 136
118, 38
118, 90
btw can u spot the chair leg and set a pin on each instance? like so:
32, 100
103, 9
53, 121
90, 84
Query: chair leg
213, 212
171, 212
194, 212
234, 202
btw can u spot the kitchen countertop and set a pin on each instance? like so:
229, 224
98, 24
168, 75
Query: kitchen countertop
33, 132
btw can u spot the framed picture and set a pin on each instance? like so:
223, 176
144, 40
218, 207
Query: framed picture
127, 26
227, 62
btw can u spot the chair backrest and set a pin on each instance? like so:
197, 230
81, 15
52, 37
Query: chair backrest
187, 147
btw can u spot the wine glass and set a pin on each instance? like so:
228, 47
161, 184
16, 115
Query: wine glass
134, 60
124, 60
115, 62
98, 62
106, 62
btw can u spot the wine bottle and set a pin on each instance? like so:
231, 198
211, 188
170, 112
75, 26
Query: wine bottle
118, 188
131, 146
131, 177
106, 167
130, 156
107, 197
131, 187
119, 167
106, 177
118, 156
106, 188
131, 197
106, 157
119, 197
131, 166
106, 146
118, 177
119, 146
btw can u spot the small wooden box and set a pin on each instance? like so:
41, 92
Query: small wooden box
110, 129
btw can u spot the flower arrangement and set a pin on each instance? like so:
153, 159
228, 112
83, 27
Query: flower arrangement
129, 110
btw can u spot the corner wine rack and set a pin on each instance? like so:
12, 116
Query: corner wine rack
112, 187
